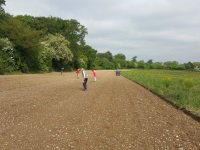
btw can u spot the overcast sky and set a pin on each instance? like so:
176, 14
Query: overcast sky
150, 29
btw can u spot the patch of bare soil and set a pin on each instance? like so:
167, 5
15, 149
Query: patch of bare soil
50, 111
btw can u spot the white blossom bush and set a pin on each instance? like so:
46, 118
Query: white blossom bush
7, 56
54, 47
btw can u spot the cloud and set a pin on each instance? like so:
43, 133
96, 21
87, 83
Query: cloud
151, 29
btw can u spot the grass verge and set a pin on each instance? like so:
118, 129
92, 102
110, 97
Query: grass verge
180, 87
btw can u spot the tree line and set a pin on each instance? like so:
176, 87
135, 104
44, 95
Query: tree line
44, 44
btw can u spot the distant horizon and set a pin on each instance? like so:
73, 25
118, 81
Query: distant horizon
160, 30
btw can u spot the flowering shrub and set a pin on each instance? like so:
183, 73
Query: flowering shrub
7, 56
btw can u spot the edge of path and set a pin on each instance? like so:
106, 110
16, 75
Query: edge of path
187, 112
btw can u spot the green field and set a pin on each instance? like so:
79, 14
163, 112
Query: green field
180, 87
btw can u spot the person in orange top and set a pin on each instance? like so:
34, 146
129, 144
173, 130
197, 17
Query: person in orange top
77, 72
94, 75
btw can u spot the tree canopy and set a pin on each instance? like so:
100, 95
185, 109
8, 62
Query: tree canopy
2, 2
32, 44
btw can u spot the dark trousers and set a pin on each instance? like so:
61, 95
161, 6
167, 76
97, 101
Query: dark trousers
85, 83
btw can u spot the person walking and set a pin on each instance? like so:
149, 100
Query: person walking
85, 79
61, 70
94, 75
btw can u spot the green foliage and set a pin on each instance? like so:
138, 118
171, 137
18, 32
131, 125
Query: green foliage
166, 81
25, 40
50, 43
107, 55
56, 48
180, 67
188, 83
157, 65
181, 87
131, 64
71, 29
171, 65
120, 61
83, 60
134, 59
7, 56
107, 61
103, 63
90, 53
76, 32
141, 64
2, 2
120, 57
196, 66
189, 66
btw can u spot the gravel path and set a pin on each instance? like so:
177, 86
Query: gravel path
50, 111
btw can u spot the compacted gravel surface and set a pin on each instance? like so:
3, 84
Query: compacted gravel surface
50, 111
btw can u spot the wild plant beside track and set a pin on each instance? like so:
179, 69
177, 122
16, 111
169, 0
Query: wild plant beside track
181, 87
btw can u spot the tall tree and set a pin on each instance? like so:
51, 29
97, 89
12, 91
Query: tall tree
71, 29
120, 60
107, 55
104, 61
2, 2
134, 59
90, 53
25, 40
141, 64
189, 66
150, 61
149, 64
120, 56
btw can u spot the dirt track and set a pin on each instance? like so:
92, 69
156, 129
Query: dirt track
51, 111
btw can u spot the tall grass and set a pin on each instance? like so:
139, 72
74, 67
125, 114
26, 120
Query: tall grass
181, 87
